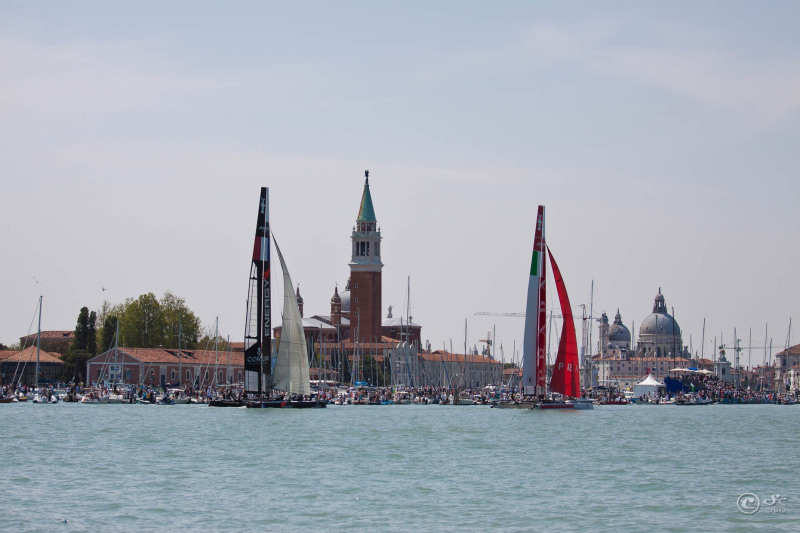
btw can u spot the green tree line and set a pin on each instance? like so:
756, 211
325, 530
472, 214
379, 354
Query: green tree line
143, 322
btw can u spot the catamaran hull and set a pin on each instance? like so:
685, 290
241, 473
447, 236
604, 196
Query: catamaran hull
225, 403
285, 404
514, 405
565, 405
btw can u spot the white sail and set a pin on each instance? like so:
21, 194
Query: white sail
291, 366
533, 360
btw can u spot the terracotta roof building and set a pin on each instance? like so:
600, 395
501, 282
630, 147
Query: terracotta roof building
51, 341
20, 366
160, 367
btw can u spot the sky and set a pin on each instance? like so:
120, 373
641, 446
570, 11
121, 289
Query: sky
661, 137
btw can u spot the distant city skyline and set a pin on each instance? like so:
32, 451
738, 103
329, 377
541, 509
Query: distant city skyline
660, 137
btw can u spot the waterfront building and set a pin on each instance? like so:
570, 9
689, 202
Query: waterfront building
159, 367
400, 364
723, 370
20, 366
659, 334
793, 378
659, 349
442, 369
57, 342
784, 361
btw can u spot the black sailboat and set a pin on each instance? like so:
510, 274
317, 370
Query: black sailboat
259, 378
256, 343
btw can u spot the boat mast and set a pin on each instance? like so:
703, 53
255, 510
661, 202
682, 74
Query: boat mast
180, 363
591, 316
534, 357
258, 345
265, 301
38, 342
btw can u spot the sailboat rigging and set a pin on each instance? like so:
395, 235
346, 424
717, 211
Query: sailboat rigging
565, 379
291, 372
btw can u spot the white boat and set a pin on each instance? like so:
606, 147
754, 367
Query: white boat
116, 398
93, 397
691, 399
44, 398
178, 396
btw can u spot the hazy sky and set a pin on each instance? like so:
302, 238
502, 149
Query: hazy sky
662, 138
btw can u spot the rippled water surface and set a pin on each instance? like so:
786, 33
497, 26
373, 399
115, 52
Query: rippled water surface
397, 468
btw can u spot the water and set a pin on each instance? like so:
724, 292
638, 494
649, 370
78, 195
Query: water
396, 468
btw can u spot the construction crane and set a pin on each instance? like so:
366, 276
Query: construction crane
517, 315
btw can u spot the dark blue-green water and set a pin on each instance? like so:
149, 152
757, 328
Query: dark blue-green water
396, 468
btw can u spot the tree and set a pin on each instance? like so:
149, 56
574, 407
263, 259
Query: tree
81, 330
108, 332
142, 324
105, 336
83, 347
209, 342
146, 322
91, 337
179, 319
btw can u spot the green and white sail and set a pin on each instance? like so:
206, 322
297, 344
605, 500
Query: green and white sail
534, 363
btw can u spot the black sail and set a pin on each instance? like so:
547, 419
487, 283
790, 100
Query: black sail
257, 335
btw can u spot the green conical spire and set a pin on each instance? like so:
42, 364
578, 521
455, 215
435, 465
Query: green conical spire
366, 213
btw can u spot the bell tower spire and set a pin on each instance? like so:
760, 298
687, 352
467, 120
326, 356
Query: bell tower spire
365, 272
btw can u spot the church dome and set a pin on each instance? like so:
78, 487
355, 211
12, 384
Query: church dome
617, 332
299, 298
659, 322
336, 299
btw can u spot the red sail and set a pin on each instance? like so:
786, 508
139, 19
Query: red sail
566, 373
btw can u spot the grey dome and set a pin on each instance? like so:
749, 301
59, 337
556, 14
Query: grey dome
659, 322
617, 331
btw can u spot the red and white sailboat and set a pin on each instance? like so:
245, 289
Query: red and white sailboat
565, 379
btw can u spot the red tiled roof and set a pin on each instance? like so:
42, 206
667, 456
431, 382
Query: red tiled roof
440, 355
365, 347
50, 336
794, 350
167, 356
4, 354
28, 355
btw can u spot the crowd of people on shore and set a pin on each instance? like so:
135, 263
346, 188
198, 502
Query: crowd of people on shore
718, 390
703, 387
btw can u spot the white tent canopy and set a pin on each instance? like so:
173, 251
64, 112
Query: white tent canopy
647, 386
